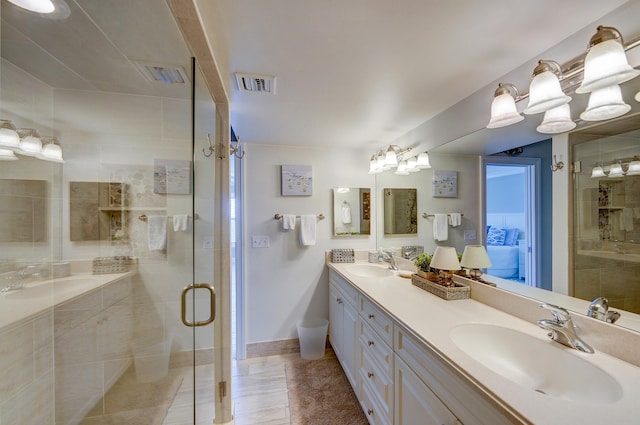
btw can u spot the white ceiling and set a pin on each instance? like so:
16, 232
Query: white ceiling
356, 73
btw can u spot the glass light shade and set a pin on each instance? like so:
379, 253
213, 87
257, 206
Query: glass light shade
402, 169
30, 143
597, 172
637, 97
7, 155
605, 64
9, 137
373, 165
381, 161
634, 168
545, 93
51, 152
445, 258
475, 257
412, 165
616, 170
605, 104
390, 158
423, 161
557, 120
38, 6
503, 111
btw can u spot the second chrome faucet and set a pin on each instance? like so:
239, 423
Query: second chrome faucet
562, 329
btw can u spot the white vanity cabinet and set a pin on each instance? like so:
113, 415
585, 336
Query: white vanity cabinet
343, 324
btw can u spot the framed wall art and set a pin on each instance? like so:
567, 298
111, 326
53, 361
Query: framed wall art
297, 180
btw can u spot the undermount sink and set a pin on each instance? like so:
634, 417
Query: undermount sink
370, 270
47, 289
536, 364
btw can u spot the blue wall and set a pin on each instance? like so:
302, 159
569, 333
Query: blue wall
505, 194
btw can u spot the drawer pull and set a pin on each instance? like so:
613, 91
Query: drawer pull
371, 316
370, 412
370, 343
370, 374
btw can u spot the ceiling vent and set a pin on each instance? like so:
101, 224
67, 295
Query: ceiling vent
164, 74
256, 83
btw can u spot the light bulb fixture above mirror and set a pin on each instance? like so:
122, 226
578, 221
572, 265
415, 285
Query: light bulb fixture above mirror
27, 142
395, 158
617, 168
599, 71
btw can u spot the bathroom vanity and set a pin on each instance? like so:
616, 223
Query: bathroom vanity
412, 358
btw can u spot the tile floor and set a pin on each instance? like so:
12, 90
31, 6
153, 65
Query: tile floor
259, 393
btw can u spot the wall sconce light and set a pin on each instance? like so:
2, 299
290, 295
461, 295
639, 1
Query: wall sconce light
445, 259
604, 67
475, 257
503, 107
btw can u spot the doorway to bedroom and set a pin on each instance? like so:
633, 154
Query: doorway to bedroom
512, 217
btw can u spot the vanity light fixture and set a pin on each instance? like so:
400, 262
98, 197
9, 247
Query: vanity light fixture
606, 62
30, 143
475, 257
604, 104
616, 170
51, 151
445, 259
9, 137
599, 70
402, 169
423, 161
598, 172
634, 167
7, 155
38, 6
545, 92
503, 107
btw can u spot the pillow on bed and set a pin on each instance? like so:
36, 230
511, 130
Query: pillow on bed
496, 236
511, 237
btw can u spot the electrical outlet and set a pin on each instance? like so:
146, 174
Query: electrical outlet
207, 242
259, 241
470, 235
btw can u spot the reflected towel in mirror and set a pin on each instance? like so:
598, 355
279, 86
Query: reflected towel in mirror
440, 227
455, 219
180, 222
157, 232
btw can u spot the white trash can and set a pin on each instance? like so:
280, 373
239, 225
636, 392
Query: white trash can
313, 336
151, 360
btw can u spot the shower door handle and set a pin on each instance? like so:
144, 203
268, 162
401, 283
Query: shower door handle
212, 311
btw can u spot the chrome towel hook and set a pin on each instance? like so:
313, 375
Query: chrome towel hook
212, 148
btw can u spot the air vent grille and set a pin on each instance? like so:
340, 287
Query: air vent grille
256, 83
163, 74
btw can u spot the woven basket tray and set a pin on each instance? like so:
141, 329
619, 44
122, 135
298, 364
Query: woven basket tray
456, 292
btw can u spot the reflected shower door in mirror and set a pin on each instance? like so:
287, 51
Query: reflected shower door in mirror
400, 211
351, 211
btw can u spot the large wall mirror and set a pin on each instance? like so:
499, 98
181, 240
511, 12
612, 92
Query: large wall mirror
351, 211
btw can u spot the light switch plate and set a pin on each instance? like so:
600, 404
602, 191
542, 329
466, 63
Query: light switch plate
259, 241
207, 242
470, 235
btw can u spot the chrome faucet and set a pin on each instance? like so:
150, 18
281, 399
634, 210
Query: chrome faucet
599, 309
387, 256
18, 278
562, 329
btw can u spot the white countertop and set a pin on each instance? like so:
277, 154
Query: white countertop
39, 296
432, 318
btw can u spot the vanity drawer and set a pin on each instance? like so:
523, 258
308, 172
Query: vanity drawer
350, 293
372, 344
373, 411
379, 383
377, 319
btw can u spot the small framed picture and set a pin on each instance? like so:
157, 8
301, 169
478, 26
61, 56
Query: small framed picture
172, 177
445, 184
296, 180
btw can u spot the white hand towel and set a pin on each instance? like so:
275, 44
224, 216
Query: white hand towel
288, 221
180, 222
455, 219
440, 227
346, 214
157, 232
307, 230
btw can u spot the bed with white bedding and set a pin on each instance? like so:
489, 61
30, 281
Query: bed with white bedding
504, 261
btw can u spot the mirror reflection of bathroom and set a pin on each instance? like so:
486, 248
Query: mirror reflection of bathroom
351, 211
400, 211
